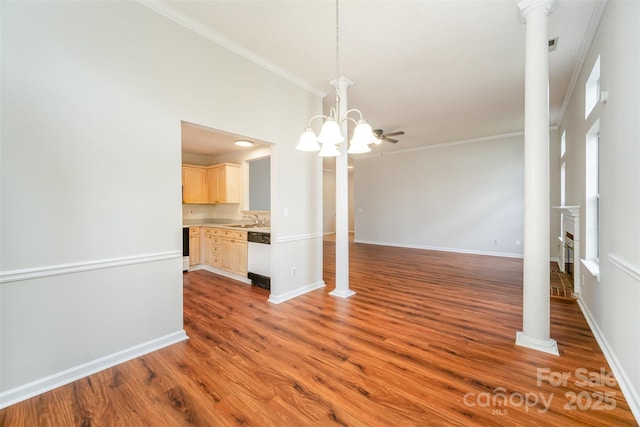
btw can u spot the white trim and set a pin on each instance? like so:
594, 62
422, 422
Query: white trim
42, 385
436, 248
592, 266
208, 33
625, 266
547, 346
342, 293
220, 272
629, 392
76, 267
287, 239
589, 35
446, 144
277, 299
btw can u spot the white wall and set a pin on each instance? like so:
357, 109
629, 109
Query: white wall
459, 197
93, 94
611, 305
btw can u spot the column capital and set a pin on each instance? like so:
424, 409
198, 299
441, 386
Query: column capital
341, 83
527, 7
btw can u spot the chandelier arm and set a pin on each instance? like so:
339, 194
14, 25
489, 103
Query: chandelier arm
356, 110
315, 117
348, 118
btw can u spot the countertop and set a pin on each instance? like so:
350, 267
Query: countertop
224, 223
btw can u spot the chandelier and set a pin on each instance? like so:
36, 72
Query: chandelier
330, 132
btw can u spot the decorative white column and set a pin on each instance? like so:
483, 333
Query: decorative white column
342, 198
536, 296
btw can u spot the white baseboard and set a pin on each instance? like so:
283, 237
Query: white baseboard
34, 388
221, 273
629, 392
277, 299
436, 248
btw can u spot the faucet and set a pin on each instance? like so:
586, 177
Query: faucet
253, 217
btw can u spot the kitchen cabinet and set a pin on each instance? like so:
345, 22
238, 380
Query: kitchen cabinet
223, 183
194, 246
212, 247
211, 184
234, 251
194, 184
226, 249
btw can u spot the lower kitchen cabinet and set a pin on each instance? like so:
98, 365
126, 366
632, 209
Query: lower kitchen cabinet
212, 248
194, 246
226, 250
234, 251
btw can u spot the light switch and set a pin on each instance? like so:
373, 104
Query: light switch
286, 212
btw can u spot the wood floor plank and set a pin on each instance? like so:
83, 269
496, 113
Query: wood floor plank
428, 339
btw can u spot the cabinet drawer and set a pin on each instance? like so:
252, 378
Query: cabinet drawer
209, 231
216, 249
194, 230
215, 241
233, 234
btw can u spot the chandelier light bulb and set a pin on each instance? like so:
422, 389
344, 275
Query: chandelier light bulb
330, 133
308, 141
329, 150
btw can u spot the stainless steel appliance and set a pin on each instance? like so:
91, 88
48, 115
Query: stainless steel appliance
259, 258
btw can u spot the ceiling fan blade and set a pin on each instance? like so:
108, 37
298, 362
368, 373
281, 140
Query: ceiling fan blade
391, 140
394, 133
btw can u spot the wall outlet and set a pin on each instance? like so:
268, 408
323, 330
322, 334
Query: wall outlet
496, 242
293, 271
517, 242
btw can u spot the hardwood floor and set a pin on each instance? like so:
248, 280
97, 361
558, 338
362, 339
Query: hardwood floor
428, 339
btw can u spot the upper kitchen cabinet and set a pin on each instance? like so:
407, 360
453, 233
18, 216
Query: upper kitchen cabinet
194, 184
211, 184
223, 182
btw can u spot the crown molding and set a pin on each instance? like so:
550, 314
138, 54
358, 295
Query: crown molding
207, 32
590, 34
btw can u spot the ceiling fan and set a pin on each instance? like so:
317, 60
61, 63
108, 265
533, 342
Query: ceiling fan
381, 136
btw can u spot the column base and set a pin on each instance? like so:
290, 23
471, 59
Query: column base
342, 293
548, 346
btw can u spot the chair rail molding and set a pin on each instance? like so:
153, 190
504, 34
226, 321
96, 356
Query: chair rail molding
625, 266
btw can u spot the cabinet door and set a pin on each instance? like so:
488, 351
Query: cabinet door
228, 254
240, 258
194, 246
224, 183
214, 175
230, 184
194, 184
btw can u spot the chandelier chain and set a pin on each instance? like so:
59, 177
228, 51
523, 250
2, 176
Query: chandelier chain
337, 48
337, 40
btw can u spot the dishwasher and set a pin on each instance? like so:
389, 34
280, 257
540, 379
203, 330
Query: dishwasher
259, 259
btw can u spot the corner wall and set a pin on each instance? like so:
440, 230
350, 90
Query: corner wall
611, 304
93, 94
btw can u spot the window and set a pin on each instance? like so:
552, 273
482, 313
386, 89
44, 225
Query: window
563, 178
563, 163
592, 89
592, 193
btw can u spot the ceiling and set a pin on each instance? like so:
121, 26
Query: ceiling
442, 71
